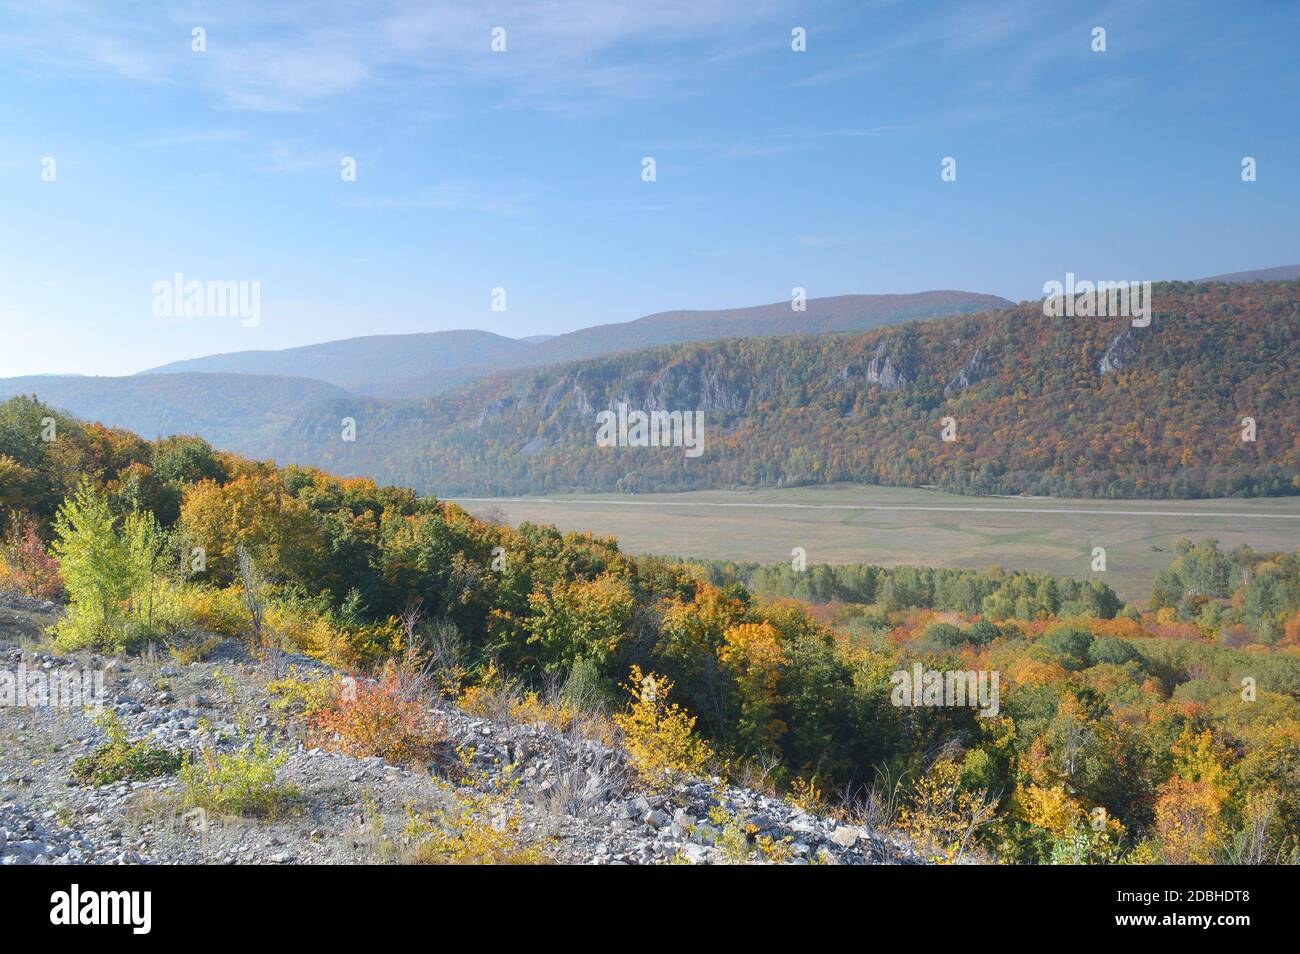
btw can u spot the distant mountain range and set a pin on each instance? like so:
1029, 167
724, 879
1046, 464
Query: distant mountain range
821, 315
376, 365
1056, 406
1051, 406
416, 365
1283, 273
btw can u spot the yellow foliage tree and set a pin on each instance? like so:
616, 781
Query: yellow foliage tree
659, 735
752, 653
1050, 808
258, 513
1189, 823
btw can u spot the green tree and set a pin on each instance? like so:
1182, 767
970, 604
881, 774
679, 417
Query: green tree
109, 573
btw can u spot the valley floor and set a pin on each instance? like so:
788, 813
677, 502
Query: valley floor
850, 523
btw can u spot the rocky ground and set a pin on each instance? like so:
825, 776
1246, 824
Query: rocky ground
573, 799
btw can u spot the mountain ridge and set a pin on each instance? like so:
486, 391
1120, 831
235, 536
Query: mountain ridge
1280, 273
417, 364
1035, 399
352, 363
1054, 406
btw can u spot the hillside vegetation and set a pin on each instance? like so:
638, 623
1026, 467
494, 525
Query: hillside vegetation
1168, 734
240, 412
1075, 407
1082, 407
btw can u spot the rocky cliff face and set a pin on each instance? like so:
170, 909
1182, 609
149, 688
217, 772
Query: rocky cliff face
682, 387
970, 373
577, 396
881, 370
1122, 350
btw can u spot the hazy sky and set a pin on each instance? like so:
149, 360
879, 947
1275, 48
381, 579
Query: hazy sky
522, 169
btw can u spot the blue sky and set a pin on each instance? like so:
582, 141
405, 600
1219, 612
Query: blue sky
522, 169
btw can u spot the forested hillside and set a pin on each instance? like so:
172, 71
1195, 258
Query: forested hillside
1168, 733
1066, 406
1088, 407
243, 413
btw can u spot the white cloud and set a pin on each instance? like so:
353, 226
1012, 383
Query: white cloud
289, 55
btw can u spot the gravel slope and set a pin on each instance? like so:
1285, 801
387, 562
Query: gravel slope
572, 798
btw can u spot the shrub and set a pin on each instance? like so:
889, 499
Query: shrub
237, 783
658, 735
25, 565
530, 707
478, 829
585, 688
188, 652
1189, 824
304, 697
502, 700
187, 606
741, 844
492, 697
806, 795
121, 761
298, 624
942, 820
388, 718
1069, 646
313, 628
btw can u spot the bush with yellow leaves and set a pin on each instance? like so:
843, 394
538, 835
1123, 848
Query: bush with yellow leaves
806, 795
1190, 827
478, 827
659, 735
741, 844
1073, 836
504, 700
302, 696
185, 606
362, 646
942, 819
293, 624
241, 782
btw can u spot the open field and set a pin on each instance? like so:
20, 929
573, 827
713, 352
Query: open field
889, 525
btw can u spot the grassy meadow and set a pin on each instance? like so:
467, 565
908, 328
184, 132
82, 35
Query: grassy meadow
848, 523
